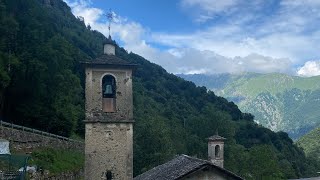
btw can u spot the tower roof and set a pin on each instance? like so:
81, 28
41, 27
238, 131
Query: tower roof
109, 60
216, 138
109, 41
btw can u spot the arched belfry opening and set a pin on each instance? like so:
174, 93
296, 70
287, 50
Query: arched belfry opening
108, 93
217, 151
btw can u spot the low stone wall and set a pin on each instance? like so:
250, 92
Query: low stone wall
76, 175
26, 139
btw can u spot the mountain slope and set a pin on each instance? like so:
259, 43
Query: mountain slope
278, 101
311, 143
44, 89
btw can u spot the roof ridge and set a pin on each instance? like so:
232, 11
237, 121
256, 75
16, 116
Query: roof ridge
109, 60
210, 163
197, 159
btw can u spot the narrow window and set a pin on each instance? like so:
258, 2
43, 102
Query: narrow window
217, 151
108, 93
109, 175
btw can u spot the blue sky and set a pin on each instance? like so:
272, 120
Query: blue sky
214, 36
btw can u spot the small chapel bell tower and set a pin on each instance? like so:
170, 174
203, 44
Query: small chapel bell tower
109, 46
109, 116
216, 150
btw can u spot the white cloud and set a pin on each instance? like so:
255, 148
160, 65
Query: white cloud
81, 8
291, 31
205, 10
231, 41
210, 5
310, 68
190, 61
299, 3
276, 45
131, 34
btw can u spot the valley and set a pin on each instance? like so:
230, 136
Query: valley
278, 101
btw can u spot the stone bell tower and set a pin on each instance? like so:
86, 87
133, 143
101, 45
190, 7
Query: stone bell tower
216, 150
109, 117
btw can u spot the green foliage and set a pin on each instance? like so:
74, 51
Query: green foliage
257, 162
57, 161
311, 143
44, 90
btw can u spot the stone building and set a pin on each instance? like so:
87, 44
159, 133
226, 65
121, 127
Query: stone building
189, 168
109, 117
216, 150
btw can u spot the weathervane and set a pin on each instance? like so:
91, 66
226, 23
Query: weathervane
110, 18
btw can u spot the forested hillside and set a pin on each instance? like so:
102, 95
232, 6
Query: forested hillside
41, 86
311, 143
278, 101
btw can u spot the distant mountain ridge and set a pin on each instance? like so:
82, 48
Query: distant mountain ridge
278, 101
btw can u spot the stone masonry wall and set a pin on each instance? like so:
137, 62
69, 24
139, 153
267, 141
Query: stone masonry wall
109, 136
109, 148
26, 141
124, 105
74, 175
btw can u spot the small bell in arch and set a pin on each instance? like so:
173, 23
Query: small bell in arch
108, 86
108, 89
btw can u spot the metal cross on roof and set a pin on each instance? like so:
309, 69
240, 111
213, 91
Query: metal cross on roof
110, 18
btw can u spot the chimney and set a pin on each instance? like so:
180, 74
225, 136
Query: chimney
216, 150
109, 46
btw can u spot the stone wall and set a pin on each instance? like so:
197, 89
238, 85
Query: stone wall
75, 175
109, 148
24, 139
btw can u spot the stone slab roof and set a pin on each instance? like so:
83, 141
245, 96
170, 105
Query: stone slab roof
216, 137
110, 60
178, 168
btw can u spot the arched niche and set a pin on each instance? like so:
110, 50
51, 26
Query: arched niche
217, 151
108, 93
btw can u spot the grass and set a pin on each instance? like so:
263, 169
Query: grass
57, 161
